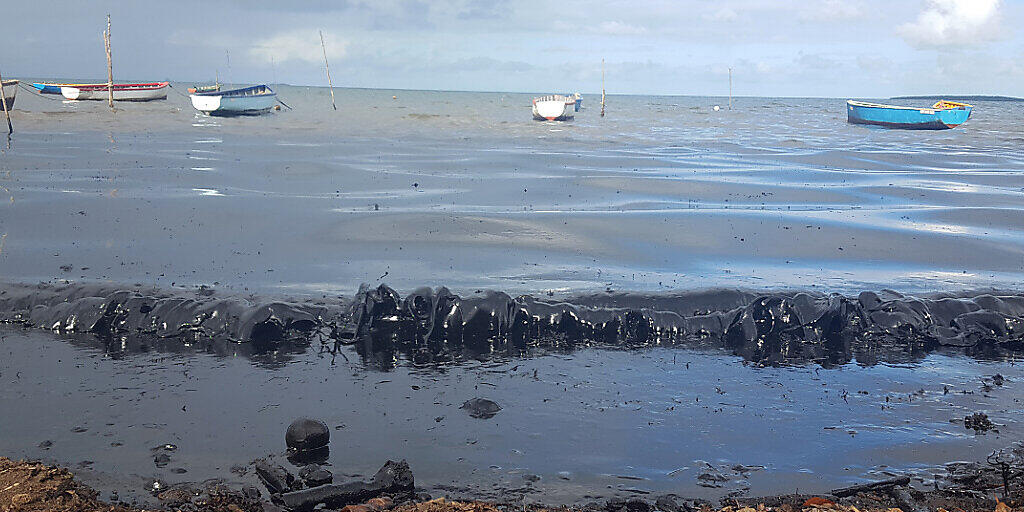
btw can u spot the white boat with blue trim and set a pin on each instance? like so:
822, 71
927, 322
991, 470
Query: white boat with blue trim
236, 102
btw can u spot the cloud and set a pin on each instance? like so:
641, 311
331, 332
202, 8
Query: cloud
618, 28
953, 22
297, 45
482, 10
723, 14
831, 10
816, 62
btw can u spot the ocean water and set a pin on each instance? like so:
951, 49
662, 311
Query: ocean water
464, 190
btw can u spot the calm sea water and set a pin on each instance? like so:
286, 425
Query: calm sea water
465, 190
418, 188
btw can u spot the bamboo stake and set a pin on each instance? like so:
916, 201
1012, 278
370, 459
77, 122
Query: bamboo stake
730, 88
602, 87
3, 100
110, 66
328, 67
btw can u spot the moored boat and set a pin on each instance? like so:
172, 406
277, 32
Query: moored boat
122, 92
54, 88
555, 107
10, 90
204, 88
246, 101
943, 115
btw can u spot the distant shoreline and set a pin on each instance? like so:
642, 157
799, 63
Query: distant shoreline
954, 96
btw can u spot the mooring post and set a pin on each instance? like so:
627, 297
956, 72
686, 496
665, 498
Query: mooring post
328, 67
730, 88
110, 66
7, 113
602, 87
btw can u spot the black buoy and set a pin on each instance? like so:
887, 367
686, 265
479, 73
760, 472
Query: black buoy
306, 435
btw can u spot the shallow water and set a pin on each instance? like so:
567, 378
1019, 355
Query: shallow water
590, 423
464, 190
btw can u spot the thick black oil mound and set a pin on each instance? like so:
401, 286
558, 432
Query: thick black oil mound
117, 314
434, 326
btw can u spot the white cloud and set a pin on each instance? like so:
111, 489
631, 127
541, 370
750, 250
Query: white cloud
953, 22
300, 45
831, 10
618, 28
723, 14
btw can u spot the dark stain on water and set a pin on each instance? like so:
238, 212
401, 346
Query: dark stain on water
613, 394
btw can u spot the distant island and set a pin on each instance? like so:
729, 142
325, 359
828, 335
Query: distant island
951, 97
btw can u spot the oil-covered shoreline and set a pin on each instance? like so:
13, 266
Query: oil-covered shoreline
767, 328
667, 300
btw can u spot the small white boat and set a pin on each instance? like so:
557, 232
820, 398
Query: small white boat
555, 107
237, 102
122, 92
10, 88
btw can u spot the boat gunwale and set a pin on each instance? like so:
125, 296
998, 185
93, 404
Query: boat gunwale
147, 86
555, 97
864, 104
236, 92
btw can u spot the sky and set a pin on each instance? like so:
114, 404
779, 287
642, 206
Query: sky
822, 48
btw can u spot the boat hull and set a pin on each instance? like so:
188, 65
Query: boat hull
10, 88
906, 118
52, 88
240, 102
121, 93
554, 108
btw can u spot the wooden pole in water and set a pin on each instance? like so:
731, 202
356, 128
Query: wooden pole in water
3, 100
730, 88
602, 87
110, 66
328, 67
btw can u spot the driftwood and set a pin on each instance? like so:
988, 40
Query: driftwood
905, 500
884, 485
276, 478
394, 477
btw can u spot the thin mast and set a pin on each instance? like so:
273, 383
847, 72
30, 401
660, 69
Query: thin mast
328, 67
730, 88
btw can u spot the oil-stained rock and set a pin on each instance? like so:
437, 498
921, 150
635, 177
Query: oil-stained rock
306, 434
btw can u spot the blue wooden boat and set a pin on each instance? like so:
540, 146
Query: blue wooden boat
237, 102
943, 115
52, 88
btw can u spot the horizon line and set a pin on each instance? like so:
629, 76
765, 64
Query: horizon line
598, 93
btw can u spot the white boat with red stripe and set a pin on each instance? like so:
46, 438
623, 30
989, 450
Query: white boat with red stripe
122, 92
